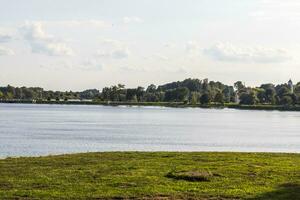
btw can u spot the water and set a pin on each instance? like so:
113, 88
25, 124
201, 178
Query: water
33, 130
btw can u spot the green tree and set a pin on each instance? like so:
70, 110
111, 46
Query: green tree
194, 97
219, 98
151, 88
261, 95
286, 100
205, 98
239, 85
248, 98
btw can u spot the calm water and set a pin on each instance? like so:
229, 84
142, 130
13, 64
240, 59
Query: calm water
27, 130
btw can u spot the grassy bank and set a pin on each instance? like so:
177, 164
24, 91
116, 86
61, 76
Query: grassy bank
131, 175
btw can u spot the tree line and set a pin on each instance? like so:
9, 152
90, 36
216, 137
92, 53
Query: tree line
192, 91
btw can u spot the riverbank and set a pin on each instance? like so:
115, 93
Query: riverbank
160, 175
164, 104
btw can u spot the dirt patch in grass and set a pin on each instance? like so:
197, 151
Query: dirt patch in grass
200, 176
5, 186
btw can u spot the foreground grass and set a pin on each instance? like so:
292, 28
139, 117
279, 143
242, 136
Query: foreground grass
162, 175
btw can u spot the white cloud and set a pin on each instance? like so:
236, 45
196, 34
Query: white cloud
4, 51
161, 57
78, 23
128, 20
44, 43
111, 43
169, 45
91, 65
114, 49
277, 10
71, 65
133, 69
230, 53
120, 53
192, 47
5, 37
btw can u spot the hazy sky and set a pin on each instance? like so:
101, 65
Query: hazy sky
77, 44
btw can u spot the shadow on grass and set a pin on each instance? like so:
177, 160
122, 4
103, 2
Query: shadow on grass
287, 191
193, 176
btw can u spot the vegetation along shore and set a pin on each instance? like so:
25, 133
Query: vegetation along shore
159, 175
186, 93
189, 91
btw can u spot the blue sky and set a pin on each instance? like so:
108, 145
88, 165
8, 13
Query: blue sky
76, 44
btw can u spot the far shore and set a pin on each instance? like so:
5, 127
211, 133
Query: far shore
163, 104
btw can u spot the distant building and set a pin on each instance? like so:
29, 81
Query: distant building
291, 86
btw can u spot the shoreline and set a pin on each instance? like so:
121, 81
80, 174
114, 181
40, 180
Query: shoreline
141, 152
161, 104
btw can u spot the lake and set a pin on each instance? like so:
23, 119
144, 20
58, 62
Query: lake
33, 130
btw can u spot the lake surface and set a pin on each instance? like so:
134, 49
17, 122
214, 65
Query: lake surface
32, 130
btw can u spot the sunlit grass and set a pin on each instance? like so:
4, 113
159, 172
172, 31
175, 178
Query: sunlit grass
152, 175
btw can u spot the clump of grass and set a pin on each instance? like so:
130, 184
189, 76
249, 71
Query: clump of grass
200, 176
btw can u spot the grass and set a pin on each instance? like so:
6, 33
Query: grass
159, 175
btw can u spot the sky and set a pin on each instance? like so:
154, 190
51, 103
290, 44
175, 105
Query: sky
77, 44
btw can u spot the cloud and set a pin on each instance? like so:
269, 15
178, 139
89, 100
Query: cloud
160, 57
78, 23
4, 51
111, 43
169, 45
277, 10
115, 54
192, 47
71, 65
127, 20
133, 69
121, 53
114, 49
91, 65
5, 38
43, 43
230, 53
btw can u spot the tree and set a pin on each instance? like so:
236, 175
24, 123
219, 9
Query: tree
204, 99
219, 98
239, 85
194, 97
179, 94
270, 95
228, 93
140, 93
151, 97
106, 94
261, 95
286, 100
248, 98
131, 95
151, 88
182, 94
121, 86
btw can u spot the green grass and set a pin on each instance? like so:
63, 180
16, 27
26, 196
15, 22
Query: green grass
161, 175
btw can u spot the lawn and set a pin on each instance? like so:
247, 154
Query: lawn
159, 175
